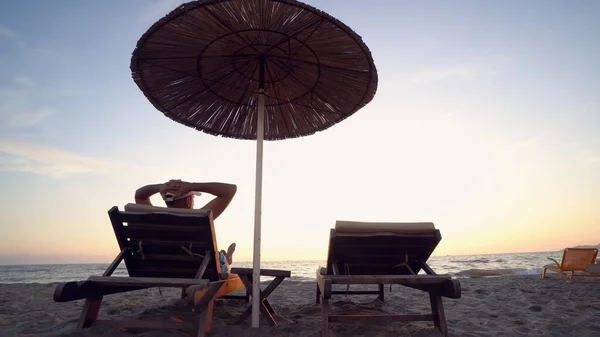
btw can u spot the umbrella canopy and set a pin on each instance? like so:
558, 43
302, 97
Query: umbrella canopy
201, 66
254, 69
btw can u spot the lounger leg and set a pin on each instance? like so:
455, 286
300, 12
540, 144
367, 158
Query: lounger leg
318, 294
544, 273
90, 310
325, 317
265, 302
267, 311
381, 292
439, 317
205, 319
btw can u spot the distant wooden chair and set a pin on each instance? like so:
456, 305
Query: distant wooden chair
161, 247
380, 254
573, 259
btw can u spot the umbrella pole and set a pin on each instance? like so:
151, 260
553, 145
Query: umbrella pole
258, 198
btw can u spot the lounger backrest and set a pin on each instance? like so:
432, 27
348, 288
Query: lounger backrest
166, 242
578, 258
376, 248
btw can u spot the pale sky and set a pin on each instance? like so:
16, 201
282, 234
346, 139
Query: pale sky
485, 122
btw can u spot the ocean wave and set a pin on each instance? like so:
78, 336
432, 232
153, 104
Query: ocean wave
496, 272
472, 261
28, 269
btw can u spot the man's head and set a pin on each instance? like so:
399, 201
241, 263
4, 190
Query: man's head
183, 201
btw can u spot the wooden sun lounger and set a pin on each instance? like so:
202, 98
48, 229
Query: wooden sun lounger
573, 259
161, 247
381, 254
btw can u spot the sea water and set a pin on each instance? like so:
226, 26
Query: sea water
460, 266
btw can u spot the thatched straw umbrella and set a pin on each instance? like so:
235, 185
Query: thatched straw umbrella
254, 69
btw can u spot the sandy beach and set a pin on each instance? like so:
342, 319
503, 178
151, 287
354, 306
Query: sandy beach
497, 306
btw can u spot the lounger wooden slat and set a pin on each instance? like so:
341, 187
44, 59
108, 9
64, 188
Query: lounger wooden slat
383, 254
376, 261
179, 263
77, 290
144, 234
370, 270
384, 240
172, 258
199, 246
381, 250
163, 218
387, 279
167, 273
163, 249
170, 227
160, 248
166, 264
146, 281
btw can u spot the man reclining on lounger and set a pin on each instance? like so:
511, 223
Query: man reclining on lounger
180, 194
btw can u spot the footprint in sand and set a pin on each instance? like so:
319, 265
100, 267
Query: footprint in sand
536, 308
112, 311
481, 291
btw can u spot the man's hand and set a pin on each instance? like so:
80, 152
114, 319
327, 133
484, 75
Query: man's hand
222, 191
143, 194
176, 187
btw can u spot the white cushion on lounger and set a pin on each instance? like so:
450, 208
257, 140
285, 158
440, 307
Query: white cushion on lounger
156, 209
355, 227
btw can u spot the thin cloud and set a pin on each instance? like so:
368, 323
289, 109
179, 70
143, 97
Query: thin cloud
5, 32
529, 142
48, 161
432, 75
27, 117
22, 104
590, 155
489, 66
16, 111
24, 81
9, 34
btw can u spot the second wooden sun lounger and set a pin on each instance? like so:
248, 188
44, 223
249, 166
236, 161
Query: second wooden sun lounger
573, 260
380, 254
161, 247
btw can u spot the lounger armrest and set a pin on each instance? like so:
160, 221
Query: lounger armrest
78, 290
553, 260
